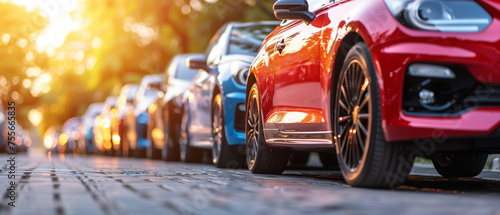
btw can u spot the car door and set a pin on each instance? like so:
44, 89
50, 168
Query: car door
203, 88
198, 106
300, 98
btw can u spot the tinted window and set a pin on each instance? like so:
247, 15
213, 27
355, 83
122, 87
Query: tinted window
154, 86
247, 40
215, 52
131, 93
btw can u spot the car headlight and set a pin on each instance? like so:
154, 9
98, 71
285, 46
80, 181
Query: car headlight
240, 73
440, 15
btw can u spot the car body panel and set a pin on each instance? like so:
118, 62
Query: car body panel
88, 125
137, 118
220, 78
289, 120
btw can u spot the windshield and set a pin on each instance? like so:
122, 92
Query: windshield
247, 40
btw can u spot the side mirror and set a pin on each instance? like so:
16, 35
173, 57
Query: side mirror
197, 62
293, 9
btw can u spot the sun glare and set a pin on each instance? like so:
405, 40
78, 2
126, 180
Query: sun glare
61, 23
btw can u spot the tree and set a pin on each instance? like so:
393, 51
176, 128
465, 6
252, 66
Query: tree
17, 54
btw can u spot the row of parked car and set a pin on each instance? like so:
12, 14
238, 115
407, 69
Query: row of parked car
369, 84
11, 131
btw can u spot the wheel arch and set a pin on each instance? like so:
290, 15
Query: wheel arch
341, 53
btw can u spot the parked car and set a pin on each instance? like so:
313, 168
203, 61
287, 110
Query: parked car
3, 124
165, 114
26, 141
51, 140
124, 105
102, 127
137, 119
11, 131
374, 80
20, 138
70, 131
87, 127
214, 111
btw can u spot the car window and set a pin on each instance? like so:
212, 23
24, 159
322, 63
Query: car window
155, 85
216, 51
171, 66
131, 93
183, 72
247, 40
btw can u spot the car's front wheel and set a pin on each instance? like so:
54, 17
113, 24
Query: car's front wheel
365, 158
260, 157
223, 154
458, 164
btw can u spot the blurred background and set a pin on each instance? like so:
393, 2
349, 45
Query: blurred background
59, 56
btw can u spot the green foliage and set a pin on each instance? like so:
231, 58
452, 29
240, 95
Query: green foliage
119, 42
19, 28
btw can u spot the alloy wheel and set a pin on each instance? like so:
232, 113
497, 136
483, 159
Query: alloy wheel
217, 126
353, 114
253, 131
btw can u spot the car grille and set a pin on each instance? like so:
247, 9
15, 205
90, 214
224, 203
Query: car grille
239, 120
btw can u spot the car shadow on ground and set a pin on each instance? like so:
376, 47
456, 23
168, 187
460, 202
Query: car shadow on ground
486, 183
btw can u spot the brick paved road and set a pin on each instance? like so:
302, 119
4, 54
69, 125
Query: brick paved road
102, 185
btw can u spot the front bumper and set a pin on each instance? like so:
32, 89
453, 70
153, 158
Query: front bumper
142, 129
234, 117
473, 52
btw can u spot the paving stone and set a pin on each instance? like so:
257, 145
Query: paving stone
103, 185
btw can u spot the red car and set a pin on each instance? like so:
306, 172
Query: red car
378, 82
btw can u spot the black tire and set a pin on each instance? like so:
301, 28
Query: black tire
459, 165
123, 144
171, 127
365, 158
131, 150
152, 151
329, 160
260, 157
3, 147
188, 153
140, 153
155, 154
223, 154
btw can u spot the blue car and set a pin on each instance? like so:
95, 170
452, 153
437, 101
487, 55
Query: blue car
88, 126
137, 119
214, 112
165, 114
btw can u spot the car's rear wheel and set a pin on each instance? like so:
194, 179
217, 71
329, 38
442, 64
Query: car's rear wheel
365, 158
459, 165
188, 153
223, 154
260, 158
154, 125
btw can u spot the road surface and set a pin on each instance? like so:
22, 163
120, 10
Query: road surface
103, 185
